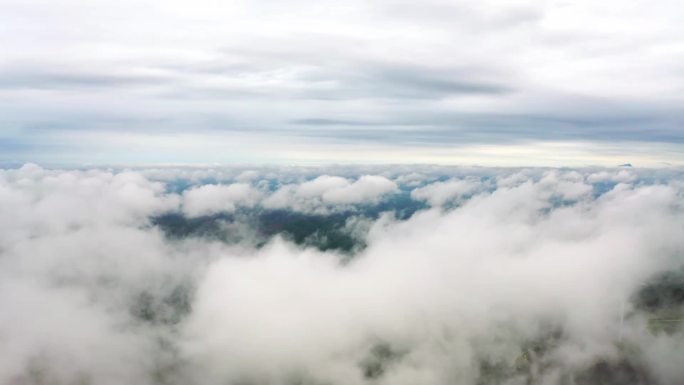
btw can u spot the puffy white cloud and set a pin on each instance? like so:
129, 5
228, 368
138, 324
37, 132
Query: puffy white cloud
321, 186
75, 249
566, 186
446, 289
211, 199
247, 176
366, 189
439, 193
411, 179
319, 194
619, 176
92, 292
42, 201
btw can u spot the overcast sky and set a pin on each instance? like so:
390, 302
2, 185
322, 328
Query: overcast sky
471, 82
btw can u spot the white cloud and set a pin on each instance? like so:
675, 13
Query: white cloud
210, 199
247, 176
87, 283
447, 289
619, 176
567, 186
412, 179
59, 201
320, 186
439, 193
323, 192
366, 189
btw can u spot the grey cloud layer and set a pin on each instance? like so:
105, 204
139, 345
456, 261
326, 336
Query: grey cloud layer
444, 73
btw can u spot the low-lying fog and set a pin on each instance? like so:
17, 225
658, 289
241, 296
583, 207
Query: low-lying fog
341, 275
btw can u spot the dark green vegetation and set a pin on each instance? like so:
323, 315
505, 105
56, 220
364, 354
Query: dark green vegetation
380, 358
325, 232
536, 360
662, 298
336, 231
665, 290
167, 308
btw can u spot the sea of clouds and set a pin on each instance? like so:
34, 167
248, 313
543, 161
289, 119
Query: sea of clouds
451, 275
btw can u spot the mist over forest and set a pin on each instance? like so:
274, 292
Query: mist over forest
341, 275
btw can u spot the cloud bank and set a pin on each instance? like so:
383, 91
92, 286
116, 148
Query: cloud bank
326, 191
208, 199
527, 276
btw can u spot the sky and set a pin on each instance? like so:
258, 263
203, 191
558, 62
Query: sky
513, 82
